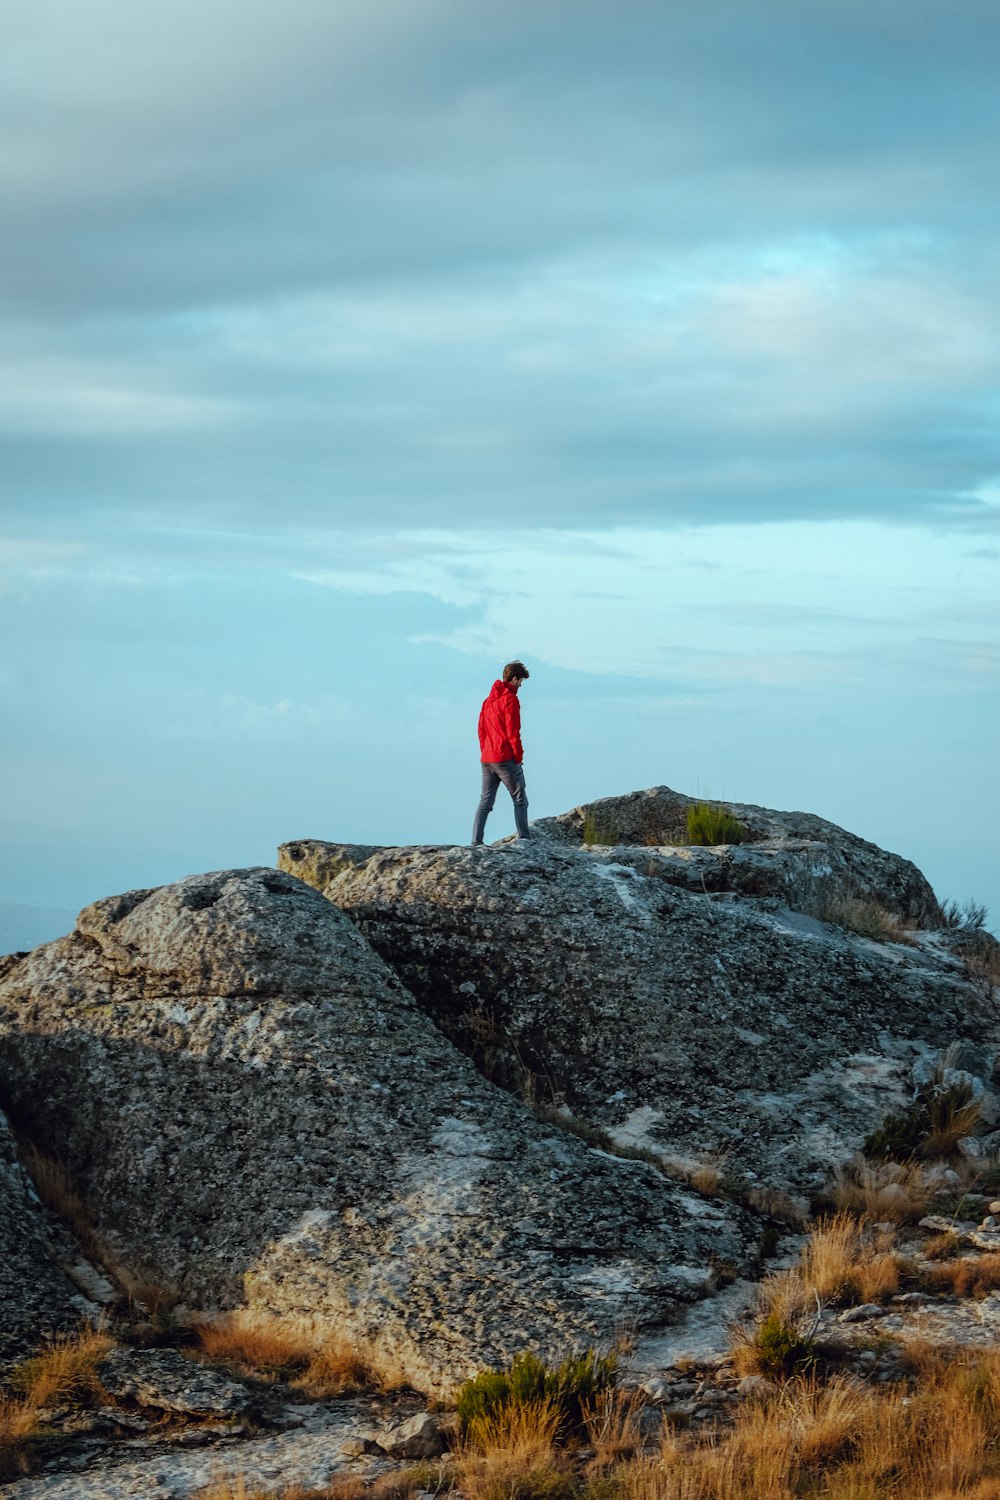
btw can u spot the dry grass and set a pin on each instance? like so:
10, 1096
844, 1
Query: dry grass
55, 1188
863, 915
949, 1124
897, 1192
18, 1425
843, 1441
846, 1261
964, 1276
511, 1454
612, 1425
65, 1372
315, 1359
707, 1177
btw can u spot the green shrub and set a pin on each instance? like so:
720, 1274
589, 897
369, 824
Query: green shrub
964, 915
781, 1350
573, 1386
708, 823
931, 1126
595, 832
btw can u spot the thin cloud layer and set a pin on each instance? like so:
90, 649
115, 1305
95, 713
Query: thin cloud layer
394, 265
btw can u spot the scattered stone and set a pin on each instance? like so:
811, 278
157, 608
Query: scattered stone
941, 1224
995, 1206
354, 1446
984, 1239
418, 1437
862, 1313
657, 1389
756, 1385
164, 1380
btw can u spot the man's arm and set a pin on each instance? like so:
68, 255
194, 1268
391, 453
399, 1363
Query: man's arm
512, 725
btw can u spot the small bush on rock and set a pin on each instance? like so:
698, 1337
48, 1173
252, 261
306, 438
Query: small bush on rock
777, 1349
709, 824
571, 1388
931, 1126
594, 832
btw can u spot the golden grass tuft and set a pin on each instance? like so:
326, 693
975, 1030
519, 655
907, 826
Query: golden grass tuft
65, 1371
315, 1359
885, 1191
843, 1441
18, 1424
511, 1454
863, 915
964, 1276
844, 1261
612, 1424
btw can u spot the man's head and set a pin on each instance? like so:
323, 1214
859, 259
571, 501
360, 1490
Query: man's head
514, 673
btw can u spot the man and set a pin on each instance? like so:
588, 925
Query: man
501, 752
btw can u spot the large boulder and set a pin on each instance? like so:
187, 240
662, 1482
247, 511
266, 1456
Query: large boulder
799, 856
255, 1111
701, 1026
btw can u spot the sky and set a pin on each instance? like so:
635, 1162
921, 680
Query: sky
350, 350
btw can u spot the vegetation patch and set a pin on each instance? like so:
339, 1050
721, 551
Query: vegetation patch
569, 1391
709, 824
63, 1374
862, 915
596, 832
931, 1126
310, 1358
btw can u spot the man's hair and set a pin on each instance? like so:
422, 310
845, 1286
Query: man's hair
515, 669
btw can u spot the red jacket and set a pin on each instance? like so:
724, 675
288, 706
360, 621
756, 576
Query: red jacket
500, 726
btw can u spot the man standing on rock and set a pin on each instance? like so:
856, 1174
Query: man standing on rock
501, 751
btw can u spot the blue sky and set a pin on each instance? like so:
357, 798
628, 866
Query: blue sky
352, 349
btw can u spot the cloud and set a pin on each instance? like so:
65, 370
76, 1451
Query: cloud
397, 265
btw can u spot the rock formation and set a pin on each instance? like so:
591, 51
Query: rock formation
253, 1109
405, 1107
680, 998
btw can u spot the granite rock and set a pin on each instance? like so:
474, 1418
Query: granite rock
255, 1111
692, 1024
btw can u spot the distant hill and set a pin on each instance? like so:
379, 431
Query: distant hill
24, 927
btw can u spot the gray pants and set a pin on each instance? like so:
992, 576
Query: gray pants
512, 776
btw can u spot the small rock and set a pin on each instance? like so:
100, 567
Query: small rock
95, 1287
755, 1385
862, 1314
942, 1225
984, 1239
867, 1357
165, 1380
656, 1389
911, 1299
994, 1207
418, 1437
357, 1447
989, 1222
